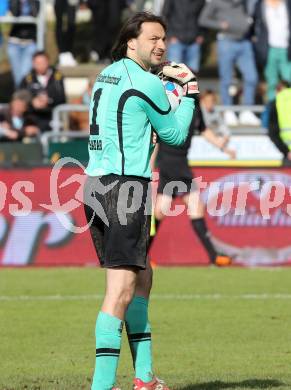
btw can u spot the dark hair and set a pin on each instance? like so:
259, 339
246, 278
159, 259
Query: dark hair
131, 29
208, 92
40, 53
23, 95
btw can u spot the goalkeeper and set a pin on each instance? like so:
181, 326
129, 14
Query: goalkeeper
127, 101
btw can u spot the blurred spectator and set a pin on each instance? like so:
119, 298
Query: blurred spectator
230, 19
86, 97
212, 118
65, 11
15, 122
154, 6
22, 39
46, 86
80, 120
280, 120
250, 7
106, 19
272, 30
184, 34
158, 6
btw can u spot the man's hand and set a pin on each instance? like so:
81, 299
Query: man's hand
191, 89
230, 152
10, 134
179, 72
183, 76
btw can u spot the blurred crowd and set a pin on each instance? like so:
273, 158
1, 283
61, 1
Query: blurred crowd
253, 40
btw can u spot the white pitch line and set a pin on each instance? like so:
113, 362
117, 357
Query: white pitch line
158, 297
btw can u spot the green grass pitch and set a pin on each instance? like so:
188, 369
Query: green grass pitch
213, 329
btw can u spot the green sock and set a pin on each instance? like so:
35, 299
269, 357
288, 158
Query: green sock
108, 341
139, 337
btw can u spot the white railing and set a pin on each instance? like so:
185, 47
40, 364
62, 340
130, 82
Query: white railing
58, 121
39, 21
240, 128
256, 109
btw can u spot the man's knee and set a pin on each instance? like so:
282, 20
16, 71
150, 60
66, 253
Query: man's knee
126, 296
250, 78
159, 215
121, 296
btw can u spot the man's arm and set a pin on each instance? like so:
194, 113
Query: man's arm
171, 128
58, 92
207, 17
210, 136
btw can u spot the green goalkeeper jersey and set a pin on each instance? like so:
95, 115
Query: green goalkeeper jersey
127, 103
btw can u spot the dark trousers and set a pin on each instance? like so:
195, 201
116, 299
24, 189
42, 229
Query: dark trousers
106, 19
65, 25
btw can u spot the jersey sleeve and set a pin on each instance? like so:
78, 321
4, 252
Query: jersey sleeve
172, 128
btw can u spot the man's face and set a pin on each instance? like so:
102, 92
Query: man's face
149, 47
18, 107
41, 64
208, 102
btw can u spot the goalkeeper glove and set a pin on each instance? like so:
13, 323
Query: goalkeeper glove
183, 76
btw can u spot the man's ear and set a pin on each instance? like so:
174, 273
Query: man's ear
131, 44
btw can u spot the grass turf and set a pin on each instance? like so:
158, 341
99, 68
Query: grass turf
213, 329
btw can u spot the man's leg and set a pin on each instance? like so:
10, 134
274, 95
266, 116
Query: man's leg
225, 55
71, 28
26, 60
14, 54
175, 50
122, 250
120, 287
136, 318
271, 73
196, 212
100, 27
138, 327
284, 65
193, 56
139, 334
247, 66
59, 12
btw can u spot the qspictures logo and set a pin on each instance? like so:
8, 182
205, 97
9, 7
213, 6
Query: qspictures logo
42, 216
251, 216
